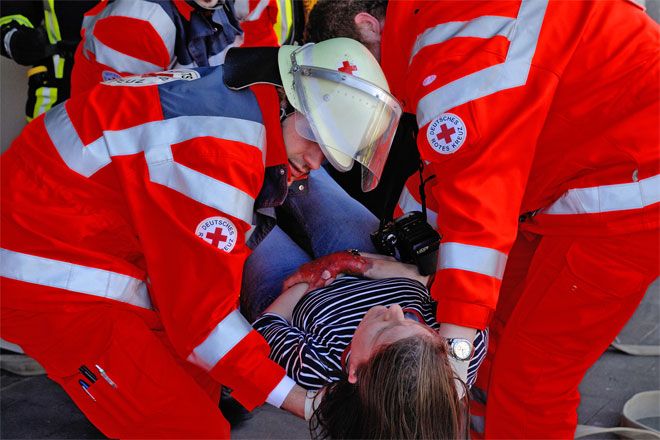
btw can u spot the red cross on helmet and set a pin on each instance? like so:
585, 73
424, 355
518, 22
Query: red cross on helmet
349, 112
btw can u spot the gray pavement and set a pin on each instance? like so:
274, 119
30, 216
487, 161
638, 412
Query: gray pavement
35, 407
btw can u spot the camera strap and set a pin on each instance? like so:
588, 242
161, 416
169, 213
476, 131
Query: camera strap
422, 183
422, 194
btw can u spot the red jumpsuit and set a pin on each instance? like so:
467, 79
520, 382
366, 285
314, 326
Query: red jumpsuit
125, 213
539, 120
140, 36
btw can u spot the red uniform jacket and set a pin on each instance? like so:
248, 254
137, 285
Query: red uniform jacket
139, 194
532, 106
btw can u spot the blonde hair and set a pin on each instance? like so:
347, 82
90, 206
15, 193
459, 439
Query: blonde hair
406, 391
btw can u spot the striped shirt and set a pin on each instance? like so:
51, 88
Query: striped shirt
310, 347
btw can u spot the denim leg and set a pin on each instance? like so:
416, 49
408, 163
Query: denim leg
275, 258
332, 219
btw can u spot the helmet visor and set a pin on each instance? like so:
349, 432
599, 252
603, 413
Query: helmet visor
350, 118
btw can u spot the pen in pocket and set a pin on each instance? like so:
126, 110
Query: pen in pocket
87, 373
105, 376
84, 386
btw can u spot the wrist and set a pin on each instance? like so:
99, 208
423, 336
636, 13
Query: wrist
295, 401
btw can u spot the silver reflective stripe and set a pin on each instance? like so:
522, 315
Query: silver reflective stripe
85, 160
225, 336
482, 27
156, 139
180, 129
198, 186
607, 198
242, 9
511, 73
45, 99
407, 203
483, 260
74, 277
6, 41
140, 10
256, 12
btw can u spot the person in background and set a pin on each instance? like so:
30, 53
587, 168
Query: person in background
127, 37
538, 121
44, 35
127, 217
369, 341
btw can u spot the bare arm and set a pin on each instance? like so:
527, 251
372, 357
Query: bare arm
376, 267
284, 304
387, 267
295, 401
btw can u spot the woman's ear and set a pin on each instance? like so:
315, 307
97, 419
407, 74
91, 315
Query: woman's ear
352, 373
368, 27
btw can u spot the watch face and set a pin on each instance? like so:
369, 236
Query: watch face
462, 349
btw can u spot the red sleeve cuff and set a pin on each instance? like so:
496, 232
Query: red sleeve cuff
463, 314
248, 371
465, 298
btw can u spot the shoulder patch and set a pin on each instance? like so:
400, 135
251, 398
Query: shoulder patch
446, 133
154, 78
219, 232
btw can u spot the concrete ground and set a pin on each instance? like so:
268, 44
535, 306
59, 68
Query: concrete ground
35, 407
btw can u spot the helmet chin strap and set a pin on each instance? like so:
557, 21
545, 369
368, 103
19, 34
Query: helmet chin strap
244, 67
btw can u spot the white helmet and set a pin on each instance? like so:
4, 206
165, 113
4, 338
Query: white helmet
342, 95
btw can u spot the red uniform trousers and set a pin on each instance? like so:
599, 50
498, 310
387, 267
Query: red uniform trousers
563, 300
157, 394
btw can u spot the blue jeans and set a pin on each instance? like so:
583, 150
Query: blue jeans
331, 220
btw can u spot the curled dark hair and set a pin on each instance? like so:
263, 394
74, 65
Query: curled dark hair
406, 391
334, 18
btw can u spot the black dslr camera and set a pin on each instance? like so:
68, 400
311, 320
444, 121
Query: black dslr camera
410, 239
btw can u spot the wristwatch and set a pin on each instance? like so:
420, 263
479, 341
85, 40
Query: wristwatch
460, 349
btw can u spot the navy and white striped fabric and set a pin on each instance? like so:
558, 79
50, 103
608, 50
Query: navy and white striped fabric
324, 320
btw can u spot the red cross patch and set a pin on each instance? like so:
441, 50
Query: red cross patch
219, 232
347, 67
446, 133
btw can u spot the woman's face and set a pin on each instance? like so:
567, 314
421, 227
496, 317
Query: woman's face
381, 326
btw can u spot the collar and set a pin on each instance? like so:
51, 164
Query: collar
184, 8
269, 103
273, 190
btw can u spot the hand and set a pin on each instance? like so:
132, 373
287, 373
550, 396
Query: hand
30, 45
324, 270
